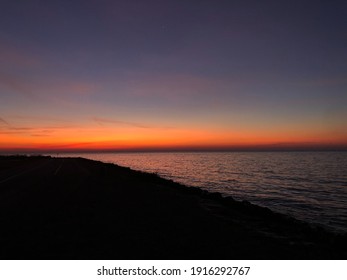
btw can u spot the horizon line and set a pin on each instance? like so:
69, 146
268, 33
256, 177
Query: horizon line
266, 148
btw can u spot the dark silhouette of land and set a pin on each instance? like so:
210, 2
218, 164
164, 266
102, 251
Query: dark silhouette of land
73, 208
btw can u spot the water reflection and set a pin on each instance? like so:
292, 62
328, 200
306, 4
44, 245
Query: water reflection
311, 186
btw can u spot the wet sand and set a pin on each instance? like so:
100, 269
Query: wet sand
74, 208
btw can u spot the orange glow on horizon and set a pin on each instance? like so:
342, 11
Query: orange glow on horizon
134, 138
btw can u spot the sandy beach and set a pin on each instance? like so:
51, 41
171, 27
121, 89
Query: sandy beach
74, 208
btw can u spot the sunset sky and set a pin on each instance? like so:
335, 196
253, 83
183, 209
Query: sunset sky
137, 75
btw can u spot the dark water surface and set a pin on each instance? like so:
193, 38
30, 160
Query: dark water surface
311, 186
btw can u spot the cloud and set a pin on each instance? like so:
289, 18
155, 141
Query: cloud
7, 128
13, 57
36, 118
9, 132
39, 135
101, 121
2, 121
15, 83
16, 128
173, 86
66, 87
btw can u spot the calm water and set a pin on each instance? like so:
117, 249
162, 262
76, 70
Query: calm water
310, 186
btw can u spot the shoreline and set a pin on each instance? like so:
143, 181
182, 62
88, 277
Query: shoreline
153, 217
306, 212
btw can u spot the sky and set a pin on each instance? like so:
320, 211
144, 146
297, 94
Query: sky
172, 75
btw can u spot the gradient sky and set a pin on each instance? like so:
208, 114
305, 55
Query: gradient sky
108, 74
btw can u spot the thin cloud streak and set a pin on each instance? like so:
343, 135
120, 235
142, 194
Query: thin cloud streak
19, 128
3, 121
16, 84
42, 131
9, 55
10, 132
39, 135
101, 121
